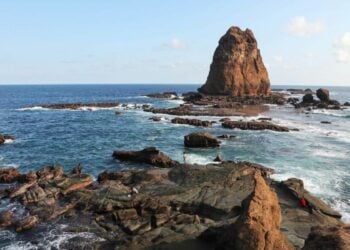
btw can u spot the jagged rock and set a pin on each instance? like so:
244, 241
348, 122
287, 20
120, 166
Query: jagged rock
9, 175
150, 155
77, 170
308, 98
3, 138
50, 172
193, 122
27, 223
29, 177
296, 187
6, 219
200, 139
218, 158
74, 182
328, 238
323, 94
259, 225
254, 125
347, 104
237, 68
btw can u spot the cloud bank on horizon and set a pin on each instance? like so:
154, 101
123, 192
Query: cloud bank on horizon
302, 42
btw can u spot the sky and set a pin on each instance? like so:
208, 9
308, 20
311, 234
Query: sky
169, 41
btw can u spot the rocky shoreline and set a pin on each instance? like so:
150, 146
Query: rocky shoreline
182, 205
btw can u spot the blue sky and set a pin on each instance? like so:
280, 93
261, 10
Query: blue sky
169, 41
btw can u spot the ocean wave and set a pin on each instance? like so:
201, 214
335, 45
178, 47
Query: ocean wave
50, 240
192, 158
330, 153
336, 113
35, 108
9, 165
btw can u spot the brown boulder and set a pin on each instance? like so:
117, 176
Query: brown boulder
9, 175
323, 94
6, 219
201, 140
324, 238
259, 225
237, 68
27, 223
151, 155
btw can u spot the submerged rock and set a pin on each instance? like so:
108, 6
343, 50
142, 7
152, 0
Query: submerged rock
200, 140
254, 125
237, 68
150, 155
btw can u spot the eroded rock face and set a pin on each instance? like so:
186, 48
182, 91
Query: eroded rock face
237, 68
149, 155
201, 140
259, 225
328, 238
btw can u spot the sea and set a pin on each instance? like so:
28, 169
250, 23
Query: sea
318, 153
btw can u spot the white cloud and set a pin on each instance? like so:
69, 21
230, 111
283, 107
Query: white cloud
343, 40
175, 43
342, 55
301, 27
278, 58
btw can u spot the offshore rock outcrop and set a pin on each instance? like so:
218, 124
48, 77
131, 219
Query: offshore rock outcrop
193, 122
237, 68
254, 125
201, 140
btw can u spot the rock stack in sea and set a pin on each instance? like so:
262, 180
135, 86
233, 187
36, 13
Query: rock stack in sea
237, 68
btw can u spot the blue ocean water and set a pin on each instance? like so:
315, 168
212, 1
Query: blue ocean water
318, 153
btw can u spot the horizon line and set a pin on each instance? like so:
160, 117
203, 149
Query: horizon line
159, 83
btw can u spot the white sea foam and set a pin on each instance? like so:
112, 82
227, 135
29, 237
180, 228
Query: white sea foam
35, 108
337, 113
192, 158
1, 157
9, 141
330, 153
10, 165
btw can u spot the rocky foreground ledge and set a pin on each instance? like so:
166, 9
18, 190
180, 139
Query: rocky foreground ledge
231, 205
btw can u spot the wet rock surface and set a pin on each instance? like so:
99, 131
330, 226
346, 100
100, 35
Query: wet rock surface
201, 140
254, 125
183, 206
324, 101
8, 175
149, 155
